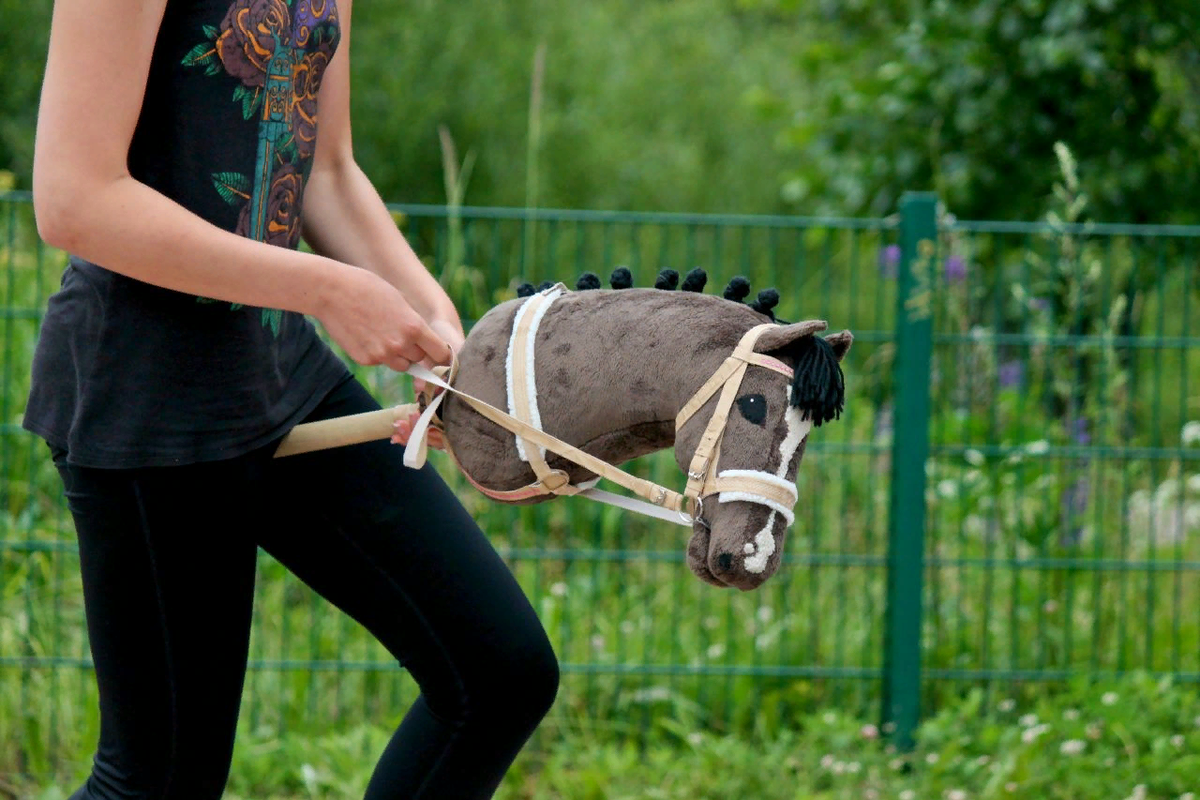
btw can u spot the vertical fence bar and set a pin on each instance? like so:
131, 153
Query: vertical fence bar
910, 450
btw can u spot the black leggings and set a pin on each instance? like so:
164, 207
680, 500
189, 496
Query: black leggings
168, 562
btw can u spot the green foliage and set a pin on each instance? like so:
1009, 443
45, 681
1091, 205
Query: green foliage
968, 99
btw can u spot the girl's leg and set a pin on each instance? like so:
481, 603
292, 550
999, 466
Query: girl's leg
393, 548
168, 577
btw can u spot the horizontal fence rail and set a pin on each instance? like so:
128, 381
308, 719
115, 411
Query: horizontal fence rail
1037, 519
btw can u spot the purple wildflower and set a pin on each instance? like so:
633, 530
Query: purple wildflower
956, 269
889, 260
1079, 431
1010, 374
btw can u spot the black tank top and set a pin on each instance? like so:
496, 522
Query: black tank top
127, 374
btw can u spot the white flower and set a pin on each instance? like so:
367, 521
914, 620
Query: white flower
712, 622
853, 767
1139, 792
765, 613
1010, 787
695, 738
973, 457
827, 760
559, 589
947, 489
1031, 734
1187, 796
982, 761
1177, 740
896, 764
1109, 698
716, 650
871, 794
1037, 448
1190, 434
1093, 730
1072, 747
597, 642
829, 717
838, 767
932, 758
908, 794
1028, 720
869, 732
627, 626
890, 727
1071, 714
956, 794
1007, 704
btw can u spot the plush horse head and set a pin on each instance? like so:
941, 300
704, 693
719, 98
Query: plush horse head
619, 374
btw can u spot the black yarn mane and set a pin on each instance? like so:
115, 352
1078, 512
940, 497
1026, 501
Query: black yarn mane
818, 385
668, 280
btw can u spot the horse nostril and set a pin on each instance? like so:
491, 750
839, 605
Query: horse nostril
725, 561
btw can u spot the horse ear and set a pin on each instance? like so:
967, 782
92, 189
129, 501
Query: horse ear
780, 336
840, 342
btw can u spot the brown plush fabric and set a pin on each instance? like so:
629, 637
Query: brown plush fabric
613, 368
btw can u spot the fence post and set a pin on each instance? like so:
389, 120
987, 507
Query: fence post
910, 450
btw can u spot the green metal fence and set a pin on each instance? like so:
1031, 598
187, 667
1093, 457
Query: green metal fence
1011, 499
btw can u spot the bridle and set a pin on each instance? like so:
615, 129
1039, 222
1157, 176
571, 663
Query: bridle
703, 480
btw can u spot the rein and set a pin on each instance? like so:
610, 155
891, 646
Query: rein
524, 422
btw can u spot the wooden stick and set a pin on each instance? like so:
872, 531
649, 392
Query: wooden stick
341, 431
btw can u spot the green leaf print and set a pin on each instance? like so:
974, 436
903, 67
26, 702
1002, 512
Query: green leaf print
271, 317
233, 187
203, 53
250, 100
211, 32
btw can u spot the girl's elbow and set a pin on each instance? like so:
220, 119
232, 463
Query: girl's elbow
55, 211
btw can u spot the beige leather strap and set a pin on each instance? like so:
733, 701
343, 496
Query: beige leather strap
750, 485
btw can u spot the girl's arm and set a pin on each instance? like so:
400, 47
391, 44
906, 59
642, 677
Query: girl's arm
345, 218
87, 203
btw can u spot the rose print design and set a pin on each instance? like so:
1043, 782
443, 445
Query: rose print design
277, 51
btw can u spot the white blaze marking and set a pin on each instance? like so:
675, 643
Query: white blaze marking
763, 547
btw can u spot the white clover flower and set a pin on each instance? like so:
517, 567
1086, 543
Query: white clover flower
956, 794
1177, 740
838, 767
896, 764
1190, 434
932, 758
597, 642
627, 626
1037, 448
870, 794
1093, 730
1007, 704
869, 732
1187, 796
1139, 792
1050, 606
1072, 747
765, 613
973, 457
712, 622
908, 794
947, 489
853, 767
982, 761
1109, 698
829, 717
716, 650
827, 761
1071, 714
1028, 720
695, 738
559, 589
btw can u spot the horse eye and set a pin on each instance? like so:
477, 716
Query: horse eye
753, 408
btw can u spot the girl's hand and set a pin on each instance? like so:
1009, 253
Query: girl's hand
451, 331
370, 319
